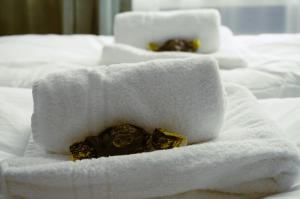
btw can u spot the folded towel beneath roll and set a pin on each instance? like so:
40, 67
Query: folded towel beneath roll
121, 53
184, 96
141, 28
248, 158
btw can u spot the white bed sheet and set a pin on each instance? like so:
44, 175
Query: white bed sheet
284, 48
78, 49
286, 113
273, 65
15, 115
26, 58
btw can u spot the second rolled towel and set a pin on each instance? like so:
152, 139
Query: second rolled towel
185, 96
139, 29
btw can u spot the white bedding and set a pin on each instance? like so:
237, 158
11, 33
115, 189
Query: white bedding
78, 49
274, 65
273, 72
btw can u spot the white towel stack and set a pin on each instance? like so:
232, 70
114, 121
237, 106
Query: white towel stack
180, 95
247, 159
140, 28
121, 53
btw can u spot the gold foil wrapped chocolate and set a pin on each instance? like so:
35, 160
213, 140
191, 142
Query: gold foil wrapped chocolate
81, 150
176, 45
125, 139
164, 139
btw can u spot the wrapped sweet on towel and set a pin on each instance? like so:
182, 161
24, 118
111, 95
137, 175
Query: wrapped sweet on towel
183, 96
198, 30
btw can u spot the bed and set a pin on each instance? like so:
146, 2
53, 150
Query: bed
273, 75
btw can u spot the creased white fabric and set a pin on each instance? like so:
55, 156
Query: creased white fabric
24, 74
181, 95
74, 49
15, 111
140, 28
286, 113
248, 159
121, 53
273, 65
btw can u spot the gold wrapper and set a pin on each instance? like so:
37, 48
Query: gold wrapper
125, 139
182, 45
165, 139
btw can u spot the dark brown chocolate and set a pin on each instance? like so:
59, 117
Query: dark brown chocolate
181, 45
125, 139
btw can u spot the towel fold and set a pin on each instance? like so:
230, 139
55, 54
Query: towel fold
184, 96
121, 53
140, 28
248, 158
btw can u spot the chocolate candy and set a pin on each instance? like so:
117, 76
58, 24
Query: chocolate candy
176, 45
164, 139
125, 139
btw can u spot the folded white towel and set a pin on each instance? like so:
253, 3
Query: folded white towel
180, 95
122, 53
140, 28
248, 158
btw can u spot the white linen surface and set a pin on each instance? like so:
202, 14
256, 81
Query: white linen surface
140, 28
16, 107
15, 113
23, 74
287, 114
76, 49
249, 145
266, 84
274, 65
279, 51
69, 106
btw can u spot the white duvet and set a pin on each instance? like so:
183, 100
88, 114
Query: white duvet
274, 65
15, 115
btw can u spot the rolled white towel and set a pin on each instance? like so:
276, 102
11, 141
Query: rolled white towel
180, 95
122, 53
247, 159
140, 28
